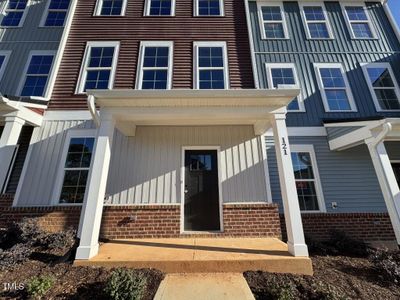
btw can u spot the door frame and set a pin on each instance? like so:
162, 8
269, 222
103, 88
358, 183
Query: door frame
182, 218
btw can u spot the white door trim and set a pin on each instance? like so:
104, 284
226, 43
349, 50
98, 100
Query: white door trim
182, 219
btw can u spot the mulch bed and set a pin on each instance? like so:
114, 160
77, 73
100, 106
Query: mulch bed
347, 277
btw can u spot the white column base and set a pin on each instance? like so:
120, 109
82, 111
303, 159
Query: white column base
298, 250
87, 252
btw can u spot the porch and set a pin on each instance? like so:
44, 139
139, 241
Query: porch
201, 255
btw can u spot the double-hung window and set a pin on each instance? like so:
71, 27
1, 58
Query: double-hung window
56, 13
383, 86
272, 20
160, 8
155, 69
211, 66
284, 75
209, 8
110, 7
4, 57
316, 21
14, 13
358, 22
37, 73
309, 189
335, 88
98, 69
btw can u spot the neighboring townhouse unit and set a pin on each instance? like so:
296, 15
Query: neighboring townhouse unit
30, 44
344, 124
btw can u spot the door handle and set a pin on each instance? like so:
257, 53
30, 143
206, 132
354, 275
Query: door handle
186, 191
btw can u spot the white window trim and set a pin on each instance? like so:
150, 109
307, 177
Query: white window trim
261, 21
46, 13
6, 54
22, 81
364, 67
348, 22
317, 179
196, 68
21, 22
147, 10
350, 97
306, 22
145, 44
83, 72
77, 133
270, 66
99, 6
221, 10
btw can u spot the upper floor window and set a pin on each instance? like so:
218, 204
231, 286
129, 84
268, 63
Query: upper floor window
4, 57
110, 7
14, 13
155, 69
209, 8
334, 87
383, 86
56, 13
160, 8
316, 21
284, 75
273, 23
37, 74
98, 69
211, 71
358, 22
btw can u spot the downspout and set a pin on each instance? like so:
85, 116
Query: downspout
386, 128
91, 103
392, 21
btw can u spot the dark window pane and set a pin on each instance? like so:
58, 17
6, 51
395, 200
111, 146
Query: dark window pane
59, 4
160, 7
282, 76
362, 30
111, 8
271, 13
356, 13
12, 18
307, 195
55, 18
302, 166
387, 99
318, 30
332, 77
209, 7
337, 99
380, 77
314, 13
294, 105
34, 86
101, 57
274, 30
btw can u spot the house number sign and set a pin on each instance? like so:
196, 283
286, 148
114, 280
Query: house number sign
284, 146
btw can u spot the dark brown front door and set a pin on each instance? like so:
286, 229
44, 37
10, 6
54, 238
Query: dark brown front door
396, 169
201, 191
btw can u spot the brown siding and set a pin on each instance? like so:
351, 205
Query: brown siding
182, 29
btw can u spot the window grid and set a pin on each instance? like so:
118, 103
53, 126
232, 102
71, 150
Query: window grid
211, 70
37, 75
209, 7
317, 25
14, 13
57, 13
160, 8
359, 22
109, 8
273, 22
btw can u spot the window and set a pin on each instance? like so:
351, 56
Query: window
110, 7
14, 13
56, 13
77, 158
4, 57
316, 21
334, 87
37, 73
155, 69
200, 163
98, 69
383, 86
306, 176
358, 22
273, 24
284, 74
211, 65
160, 8
209, 8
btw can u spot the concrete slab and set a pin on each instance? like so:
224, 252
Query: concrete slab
214, 286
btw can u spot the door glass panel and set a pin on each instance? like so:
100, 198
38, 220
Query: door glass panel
200, 163
396, 169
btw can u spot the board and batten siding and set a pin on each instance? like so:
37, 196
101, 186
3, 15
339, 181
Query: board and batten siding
342, 49
347, 177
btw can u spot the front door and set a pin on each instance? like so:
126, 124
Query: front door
201, 210
396, 169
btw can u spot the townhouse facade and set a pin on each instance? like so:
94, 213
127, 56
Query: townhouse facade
206, 118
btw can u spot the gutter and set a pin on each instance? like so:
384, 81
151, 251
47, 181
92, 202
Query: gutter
91, 103
386, 128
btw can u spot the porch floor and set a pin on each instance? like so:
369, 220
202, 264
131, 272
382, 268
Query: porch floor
201, 255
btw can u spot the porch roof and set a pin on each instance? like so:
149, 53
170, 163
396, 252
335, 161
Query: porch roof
10, 109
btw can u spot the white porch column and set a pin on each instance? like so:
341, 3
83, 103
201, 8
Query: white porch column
92, 209
387, 181
294, 227
8, 142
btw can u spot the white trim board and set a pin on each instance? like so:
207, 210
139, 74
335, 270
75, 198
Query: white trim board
67, 115
302, 131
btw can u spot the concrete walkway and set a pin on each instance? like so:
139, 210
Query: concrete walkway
204, 286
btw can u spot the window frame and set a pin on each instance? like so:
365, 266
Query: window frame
60, 174
22, 21
46, 14
368, 21
147, 7
6, 54
221, 10
196, 68
317, 67
99, 6
296, 148
27, 63
83, 71
307, 22
261, 21
387, 65
270, 66
143, 45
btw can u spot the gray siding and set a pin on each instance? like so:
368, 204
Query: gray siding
303, 53
335, 132
347, 177
393, 150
